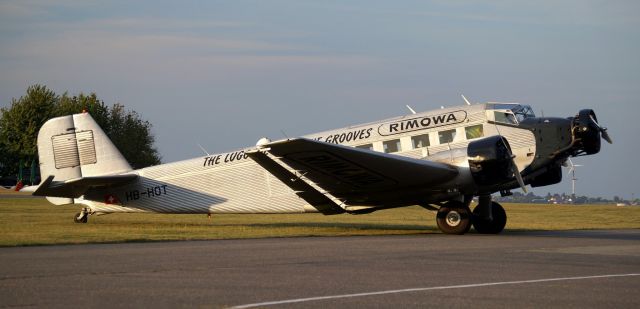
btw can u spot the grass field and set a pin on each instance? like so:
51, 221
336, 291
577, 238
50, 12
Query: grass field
27, 221
4, 191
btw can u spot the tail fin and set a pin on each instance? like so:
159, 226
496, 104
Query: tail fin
72, 147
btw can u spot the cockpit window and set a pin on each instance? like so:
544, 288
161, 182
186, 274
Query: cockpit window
505, 117
523, 112
512, 113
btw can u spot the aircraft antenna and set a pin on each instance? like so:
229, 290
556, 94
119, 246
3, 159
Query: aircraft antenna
285, 134
411, 109
204, 150
465, 99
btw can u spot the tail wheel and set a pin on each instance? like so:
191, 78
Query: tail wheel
81, 217
486, 226
454, 218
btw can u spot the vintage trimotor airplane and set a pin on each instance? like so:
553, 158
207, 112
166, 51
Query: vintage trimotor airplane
439, 160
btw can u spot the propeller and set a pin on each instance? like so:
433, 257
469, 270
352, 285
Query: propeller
516, 172
603, 130
514, 167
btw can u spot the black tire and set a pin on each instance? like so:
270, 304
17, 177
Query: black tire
84, 218
454, 218
495, 226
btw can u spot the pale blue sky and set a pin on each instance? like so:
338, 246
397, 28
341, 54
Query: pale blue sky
225, 73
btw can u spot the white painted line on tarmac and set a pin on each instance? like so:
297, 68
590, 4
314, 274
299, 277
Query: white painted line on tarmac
301, 300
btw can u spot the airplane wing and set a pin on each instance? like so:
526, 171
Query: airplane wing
74, 188
355, 176
305, 191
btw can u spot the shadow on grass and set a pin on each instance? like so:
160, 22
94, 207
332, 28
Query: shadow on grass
357, 226
275, 225
139, 240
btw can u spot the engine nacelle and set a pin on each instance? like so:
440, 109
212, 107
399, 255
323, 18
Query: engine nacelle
552, 176
585, 130
490, 161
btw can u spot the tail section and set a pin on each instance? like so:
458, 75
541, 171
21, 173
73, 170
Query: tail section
75, 147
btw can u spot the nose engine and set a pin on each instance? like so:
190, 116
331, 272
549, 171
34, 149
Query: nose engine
587, 133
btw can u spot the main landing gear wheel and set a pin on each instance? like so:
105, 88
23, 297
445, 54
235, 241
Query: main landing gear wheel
486, 226
454, 218
81, 217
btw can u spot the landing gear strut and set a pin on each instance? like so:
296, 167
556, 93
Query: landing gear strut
489, 217
454, 218
82, 216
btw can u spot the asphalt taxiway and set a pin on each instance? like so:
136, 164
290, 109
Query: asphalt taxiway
572, 269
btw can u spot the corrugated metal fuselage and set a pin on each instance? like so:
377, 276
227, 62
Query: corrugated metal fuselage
234, 183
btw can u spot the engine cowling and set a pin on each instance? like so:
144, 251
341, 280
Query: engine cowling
490, 160
551, 176
586, 130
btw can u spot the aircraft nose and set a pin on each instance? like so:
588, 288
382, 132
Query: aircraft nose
587, 130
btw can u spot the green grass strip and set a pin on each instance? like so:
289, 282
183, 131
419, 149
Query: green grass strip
27, 222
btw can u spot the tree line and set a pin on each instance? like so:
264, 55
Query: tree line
21, 121
562, 198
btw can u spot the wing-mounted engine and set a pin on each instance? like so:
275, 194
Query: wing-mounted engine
491, 161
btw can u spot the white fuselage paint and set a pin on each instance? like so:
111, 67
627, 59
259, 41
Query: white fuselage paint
233, 183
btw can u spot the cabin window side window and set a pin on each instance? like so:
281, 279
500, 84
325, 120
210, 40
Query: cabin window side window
366, 146
420, 141
391, 146
447, 136
474, 131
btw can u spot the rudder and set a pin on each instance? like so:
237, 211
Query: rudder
75, 146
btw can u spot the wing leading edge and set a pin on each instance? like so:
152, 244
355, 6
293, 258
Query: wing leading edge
354, 176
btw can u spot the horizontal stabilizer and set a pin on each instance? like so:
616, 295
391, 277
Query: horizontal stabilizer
74, 188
